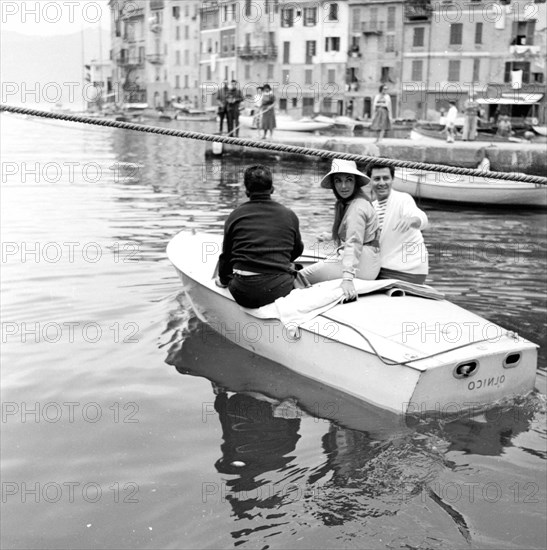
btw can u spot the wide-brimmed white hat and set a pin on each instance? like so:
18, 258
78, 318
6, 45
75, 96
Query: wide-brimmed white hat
340, 166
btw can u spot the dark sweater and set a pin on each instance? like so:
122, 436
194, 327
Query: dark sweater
260, 235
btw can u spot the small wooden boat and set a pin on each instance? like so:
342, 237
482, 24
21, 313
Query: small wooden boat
540, 130
403, 354
195, 114
433, 131
288, 124
469, 189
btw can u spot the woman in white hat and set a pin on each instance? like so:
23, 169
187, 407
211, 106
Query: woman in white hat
355, 231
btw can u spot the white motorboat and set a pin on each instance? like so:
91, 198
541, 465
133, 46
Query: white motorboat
540, 130
405, 354
469, 189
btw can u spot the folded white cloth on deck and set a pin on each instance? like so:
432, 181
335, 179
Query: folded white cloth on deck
303, 304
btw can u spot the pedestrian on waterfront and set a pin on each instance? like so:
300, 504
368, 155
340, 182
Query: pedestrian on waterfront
504, 126
354, 231
450, 122
257, 120
267, 111
471, 111
381, 107
403, 253
221, 105
233, 101
261, 240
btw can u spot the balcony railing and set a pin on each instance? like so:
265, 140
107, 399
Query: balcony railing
155, 58
372, 27
524, 50
257, 52
418, 10
130, 62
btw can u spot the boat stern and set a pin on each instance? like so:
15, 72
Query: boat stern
490, 372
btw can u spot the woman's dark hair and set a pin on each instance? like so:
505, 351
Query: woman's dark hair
371, 166
258, 179
267, 87
382, 88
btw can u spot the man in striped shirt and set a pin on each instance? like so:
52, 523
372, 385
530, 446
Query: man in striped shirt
402, 249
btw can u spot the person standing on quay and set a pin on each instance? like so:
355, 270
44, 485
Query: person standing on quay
471, 110
381, 106
267, 111
233, 100
450, 122
221, 103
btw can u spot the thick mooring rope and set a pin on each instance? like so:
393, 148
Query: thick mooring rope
274, 146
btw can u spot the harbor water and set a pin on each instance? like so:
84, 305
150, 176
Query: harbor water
128, 424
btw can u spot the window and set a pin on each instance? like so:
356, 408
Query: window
177, 81
310, 51
390, 43
285, 76
208, 72
283, 104
286, 52
478, 33
418, 38
294, 101
454, 70
391, 18
537, 77
523, 66
355, 19
177, 33
456, 30
287, 17
271, 6
386, 75
186, 32
177, 57
270, 73
417, 69
186, 57
247, 72
332, 44
331, 76
333, 12
373, 17
186, 81
310, 17
176, 13
248, 7
308, 76
476, 70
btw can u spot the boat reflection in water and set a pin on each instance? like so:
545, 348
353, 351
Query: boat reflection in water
364, 462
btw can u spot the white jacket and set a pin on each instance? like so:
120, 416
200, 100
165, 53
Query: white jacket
403, 251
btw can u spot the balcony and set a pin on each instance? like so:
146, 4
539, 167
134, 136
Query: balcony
257, 52
130, 62
524, 50
372, 27
155, 58
417, 10
156, 4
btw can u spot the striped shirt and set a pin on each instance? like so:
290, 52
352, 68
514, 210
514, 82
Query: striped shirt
381, 211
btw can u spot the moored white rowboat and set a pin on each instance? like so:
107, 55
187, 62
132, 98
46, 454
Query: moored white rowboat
404, 354
469, 189
288, 124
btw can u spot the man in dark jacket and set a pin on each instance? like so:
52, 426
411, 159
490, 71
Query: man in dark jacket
233, 99
261, 239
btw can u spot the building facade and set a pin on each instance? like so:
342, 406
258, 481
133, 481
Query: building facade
330, 57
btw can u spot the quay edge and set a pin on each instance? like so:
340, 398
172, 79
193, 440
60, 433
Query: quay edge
530, 158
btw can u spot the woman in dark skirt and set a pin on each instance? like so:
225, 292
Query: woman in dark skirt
382, 113
267, 110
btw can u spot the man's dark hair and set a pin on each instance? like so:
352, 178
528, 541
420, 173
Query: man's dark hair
258, 179
376, 165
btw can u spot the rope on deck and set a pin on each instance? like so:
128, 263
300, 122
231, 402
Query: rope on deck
409, 165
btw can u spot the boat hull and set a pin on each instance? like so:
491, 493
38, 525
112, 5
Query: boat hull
470, 189
387, 368
289, 125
